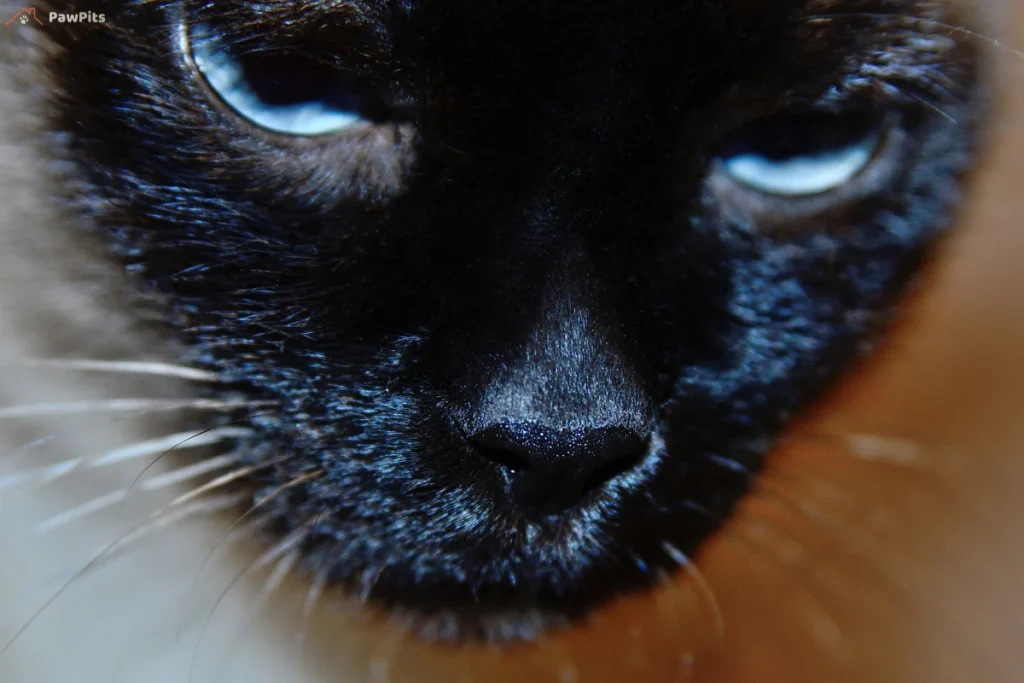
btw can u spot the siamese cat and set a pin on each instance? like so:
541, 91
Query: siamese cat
422, 340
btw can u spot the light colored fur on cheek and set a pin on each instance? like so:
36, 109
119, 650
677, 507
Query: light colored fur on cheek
138, 617
939, 598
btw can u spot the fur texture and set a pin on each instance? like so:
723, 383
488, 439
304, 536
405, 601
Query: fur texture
553, 256
384, 322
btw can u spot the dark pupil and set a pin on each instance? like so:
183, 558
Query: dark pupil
283, 80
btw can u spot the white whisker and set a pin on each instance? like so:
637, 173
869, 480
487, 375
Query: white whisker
48, 473
235, 532
877, 448
701, 583
281, 570
952, 28
282, 549
217, 483
931, 105
368, 580
384, 656
167, 517
183, 474
823, 628
127, 367
890, 450
159, 519
123, 405
315, 593
232, 530
181, 440
98, 504
271, 585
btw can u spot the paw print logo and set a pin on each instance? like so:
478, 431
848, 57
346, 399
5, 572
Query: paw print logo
23, 16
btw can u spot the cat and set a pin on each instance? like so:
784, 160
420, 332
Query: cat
487, 316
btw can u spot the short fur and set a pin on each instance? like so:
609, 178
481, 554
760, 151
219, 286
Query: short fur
537, 239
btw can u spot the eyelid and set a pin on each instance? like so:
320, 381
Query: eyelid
806, 174
316, 102
778, 213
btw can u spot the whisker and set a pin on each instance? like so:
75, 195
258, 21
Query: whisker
752, 544
224, 480
313, 597
101, 503
184, 474
119, 366
124, 405
785, 555
830, 506
281, 570
316, 587
90, 507
271, 585
854, 545
35, 443
930, 105
368, 580
874, 448
159, 519
826, 630
153, 463
763, 485
138, 450
236, 532
206, 506
384, 655
254, 508
284, 547
943, 467
856, 535
802, 508
703, 587
953, 28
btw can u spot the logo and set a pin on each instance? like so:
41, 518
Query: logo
29, 14
24, 15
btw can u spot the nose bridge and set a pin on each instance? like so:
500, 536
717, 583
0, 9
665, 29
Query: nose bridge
570, 373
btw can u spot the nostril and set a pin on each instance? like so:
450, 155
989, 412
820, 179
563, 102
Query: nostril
502, 456
609, 470
554, 469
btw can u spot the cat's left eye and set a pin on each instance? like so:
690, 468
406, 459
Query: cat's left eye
801, 156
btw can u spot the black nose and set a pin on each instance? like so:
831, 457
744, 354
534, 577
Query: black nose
553, 469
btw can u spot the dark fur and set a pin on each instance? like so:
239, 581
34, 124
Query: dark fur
538, 233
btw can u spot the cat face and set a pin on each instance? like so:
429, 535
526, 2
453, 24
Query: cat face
531, 288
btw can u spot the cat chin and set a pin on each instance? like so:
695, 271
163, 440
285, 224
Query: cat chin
497, 629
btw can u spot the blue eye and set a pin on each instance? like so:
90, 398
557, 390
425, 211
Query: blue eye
802, 156
283, 93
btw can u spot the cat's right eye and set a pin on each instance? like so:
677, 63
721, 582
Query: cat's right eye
283, 93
